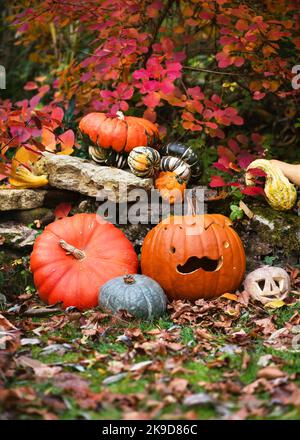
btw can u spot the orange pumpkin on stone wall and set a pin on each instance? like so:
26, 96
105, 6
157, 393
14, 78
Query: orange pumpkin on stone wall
194, 256
120, 133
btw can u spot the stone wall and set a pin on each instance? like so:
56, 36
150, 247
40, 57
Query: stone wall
269, 234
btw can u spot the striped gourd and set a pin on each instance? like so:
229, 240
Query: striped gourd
108, 157
178, 166
144, 161
280, 193
185, 153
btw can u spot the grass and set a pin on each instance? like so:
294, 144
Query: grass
137, 393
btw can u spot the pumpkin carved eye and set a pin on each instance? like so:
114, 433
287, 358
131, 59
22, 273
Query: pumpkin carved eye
195, 263
261, 284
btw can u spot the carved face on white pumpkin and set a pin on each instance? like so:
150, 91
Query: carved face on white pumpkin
267, 284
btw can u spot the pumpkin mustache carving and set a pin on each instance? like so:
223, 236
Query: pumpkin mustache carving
194, 256
205, 263
196, 263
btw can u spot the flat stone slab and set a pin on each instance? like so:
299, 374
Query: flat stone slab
79, 175
28, 216
21, 198
16, 235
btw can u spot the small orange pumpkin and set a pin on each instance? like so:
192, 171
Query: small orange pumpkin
121, 133
171, 187
194, 256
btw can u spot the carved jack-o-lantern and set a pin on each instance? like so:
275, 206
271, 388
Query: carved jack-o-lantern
267, 283
194, 256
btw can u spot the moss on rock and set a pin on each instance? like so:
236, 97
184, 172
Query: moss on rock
280, 228
270, 233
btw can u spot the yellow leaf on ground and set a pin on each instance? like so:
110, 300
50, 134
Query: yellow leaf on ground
275, 304
232, 312
231, 296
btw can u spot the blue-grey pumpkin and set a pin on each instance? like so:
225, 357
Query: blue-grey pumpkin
139, 295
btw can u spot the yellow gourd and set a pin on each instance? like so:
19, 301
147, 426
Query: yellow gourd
22, 174
280, 193
23, 178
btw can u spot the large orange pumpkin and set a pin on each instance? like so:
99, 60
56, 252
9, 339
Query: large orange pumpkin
121, 133
194, 256
75, 256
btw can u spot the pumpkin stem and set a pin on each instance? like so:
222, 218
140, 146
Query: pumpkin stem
192, 202
129, 279
120, 115
72, 250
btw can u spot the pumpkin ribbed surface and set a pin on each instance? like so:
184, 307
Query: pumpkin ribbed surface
144, 161
178, 166
121, 133
137, 294
107, 157
194, 257
186, 154
102, 253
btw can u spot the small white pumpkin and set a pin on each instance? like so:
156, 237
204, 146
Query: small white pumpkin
267, 283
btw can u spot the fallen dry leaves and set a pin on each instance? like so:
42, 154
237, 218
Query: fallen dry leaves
198, 359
